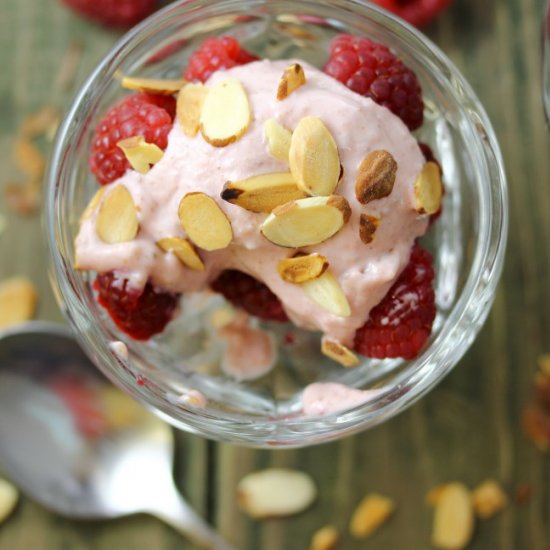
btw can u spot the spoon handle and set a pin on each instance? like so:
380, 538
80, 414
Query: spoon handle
179, 514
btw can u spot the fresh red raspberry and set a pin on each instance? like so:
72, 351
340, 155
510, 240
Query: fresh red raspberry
216, 53
416, 12
114, 13
140, 314
402, 322
147, 115
372, 70
248, 293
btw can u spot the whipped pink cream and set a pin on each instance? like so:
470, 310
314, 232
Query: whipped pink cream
359, 126
322, 398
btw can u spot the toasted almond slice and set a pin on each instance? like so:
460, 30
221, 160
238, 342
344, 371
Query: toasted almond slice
225, 115
189, 107
340, 353
313, 157
278, 139
325, 538
38, 123
488, 499
301, 269
373, 511
9, 495
276, 492
117, 220
428, 189
454, 518
205, 222
29, 159
306, 222
262, 193
183, 250
153, 85
367, 227
93, 204
375, 177
327, 293
140, 154
23, 198
293, 77
18, 297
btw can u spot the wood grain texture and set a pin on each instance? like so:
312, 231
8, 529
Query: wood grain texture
467, 429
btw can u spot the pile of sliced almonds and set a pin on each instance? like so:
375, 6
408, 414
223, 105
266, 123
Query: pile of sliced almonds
280, 492
24, 197
301, 204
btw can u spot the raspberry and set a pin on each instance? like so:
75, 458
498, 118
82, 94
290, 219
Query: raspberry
372, 70
147, 115
248, 293
416, 12
402, 322
216, 53
140, 314
114, 13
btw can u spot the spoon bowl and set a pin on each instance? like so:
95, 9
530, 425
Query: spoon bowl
77, 445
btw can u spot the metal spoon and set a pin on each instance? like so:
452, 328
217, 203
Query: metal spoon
77, 445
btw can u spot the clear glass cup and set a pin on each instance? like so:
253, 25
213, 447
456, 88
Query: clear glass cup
468, 241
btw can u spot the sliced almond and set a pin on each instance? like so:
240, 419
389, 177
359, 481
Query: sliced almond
93, 204
225, 115
293, 77
23, 198
488, 499
367, 227
428, 189
375, 177
117, 220
327, 293
140, 154
189, 107
434, 494
262, 193
183, 250
340, 353
454, 518
373, 511
153, 85
313, 157
325, 538
39, 123
278, 139
276, 492
29, 159
9, 495
301, 269
18, 298
306, 222
205, 222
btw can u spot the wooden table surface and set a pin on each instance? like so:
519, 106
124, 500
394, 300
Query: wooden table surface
467, 429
